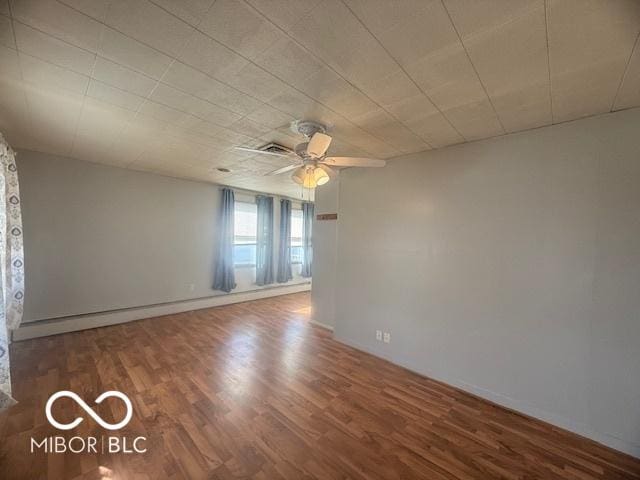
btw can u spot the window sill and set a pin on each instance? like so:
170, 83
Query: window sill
245, 265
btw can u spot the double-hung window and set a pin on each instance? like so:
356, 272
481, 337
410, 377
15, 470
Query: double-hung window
297, 250
245, 229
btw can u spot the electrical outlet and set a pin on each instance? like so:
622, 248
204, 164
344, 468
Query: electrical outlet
379, 335
387, 337
192, 287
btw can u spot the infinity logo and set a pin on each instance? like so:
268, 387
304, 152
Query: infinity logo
89, 410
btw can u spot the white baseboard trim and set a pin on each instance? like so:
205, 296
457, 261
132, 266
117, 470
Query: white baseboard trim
55, 326
322, 325
516, 405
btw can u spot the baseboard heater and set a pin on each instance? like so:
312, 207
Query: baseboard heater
55, 326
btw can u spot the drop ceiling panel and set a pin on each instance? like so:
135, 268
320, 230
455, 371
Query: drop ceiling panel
590, 42
96, 9
211, 57
10, 72
49, 78
58, 20
629, 92
6, 32
284, 13
330, 89
114, 96
293, 63
268, 116
149, 24
506, 41
240, 27
171, 86
335, 35
190, 11
131, 53
50, 49
102, 120
122, 77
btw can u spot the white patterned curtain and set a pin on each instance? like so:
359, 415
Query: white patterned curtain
11, 264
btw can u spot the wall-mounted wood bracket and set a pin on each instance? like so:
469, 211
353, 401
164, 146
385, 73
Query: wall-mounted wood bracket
327, 216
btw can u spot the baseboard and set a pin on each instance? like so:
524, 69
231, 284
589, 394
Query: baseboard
56, 326
322, 325
516, 405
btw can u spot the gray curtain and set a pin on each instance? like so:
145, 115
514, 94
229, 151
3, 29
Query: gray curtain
307, 221
224, 278
284, 252
264, 241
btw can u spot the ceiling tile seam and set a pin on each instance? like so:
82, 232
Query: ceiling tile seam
148, 46
489, 30
169, 12
174, 58
104, 25
13, 32
129, 122
405, 72
173, 61
546, 35
97, 53
309, 52
86, 90
237, 53
151, 47
624, 73
90, 78
24, 92
464, 47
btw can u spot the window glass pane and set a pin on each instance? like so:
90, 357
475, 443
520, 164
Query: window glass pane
297, 253
245, 229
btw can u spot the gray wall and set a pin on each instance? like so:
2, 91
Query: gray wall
99, 238
325, 237
509, 267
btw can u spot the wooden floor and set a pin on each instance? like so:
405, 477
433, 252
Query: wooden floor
255, 391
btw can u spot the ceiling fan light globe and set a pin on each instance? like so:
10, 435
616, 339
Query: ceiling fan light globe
320, 176
309, 180
299, 175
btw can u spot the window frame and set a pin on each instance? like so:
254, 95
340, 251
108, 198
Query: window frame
255, 243
293, 208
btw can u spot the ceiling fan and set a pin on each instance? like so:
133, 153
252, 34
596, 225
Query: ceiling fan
310, 164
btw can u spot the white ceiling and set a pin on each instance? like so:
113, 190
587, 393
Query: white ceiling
170, 86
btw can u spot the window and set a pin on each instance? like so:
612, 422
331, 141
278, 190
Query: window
297, 251
245, 229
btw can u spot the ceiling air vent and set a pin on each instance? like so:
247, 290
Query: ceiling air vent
275, 148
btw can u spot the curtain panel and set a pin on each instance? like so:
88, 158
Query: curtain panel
284, 252
264, 241
224, 277
11, 264
307, 246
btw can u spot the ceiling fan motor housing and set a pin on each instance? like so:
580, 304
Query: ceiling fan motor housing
308, 128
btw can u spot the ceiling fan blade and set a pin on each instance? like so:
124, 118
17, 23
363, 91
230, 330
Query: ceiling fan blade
318, 145
253, 150
330, 171
353, 162
286, 169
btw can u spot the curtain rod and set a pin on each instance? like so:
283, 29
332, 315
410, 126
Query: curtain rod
256, 192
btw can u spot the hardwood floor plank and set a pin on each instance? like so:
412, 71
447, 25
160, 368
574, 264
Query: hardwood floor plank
255, 391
